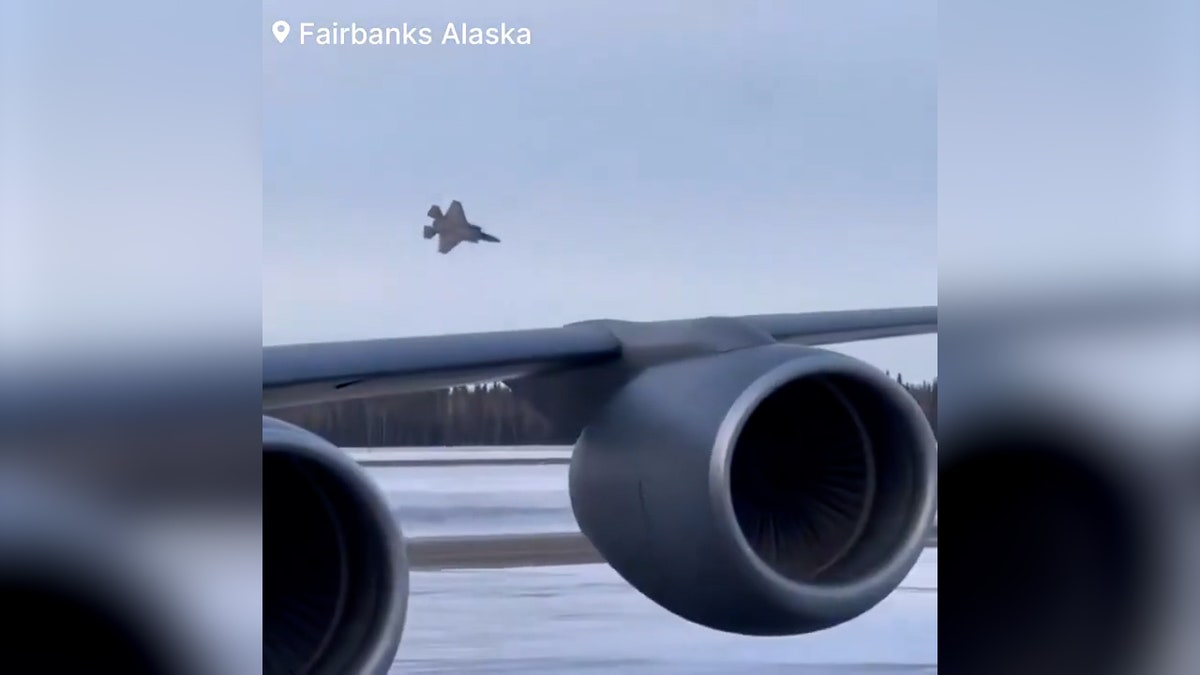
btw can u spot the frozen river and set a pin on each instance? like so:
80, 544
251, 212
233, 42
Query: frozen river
584, 618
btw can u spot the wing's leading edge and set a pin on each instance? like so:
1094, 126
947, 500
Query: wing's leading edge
310, 373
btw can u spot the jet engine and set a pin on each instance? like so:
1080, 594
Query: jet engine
335, 573
774, 490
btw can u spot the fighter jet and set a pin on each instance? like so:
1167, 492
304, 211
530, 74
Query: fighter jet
452, 228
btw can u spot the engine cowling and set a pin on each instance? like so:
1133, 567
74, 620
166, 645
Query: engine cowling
775, 490
335, 573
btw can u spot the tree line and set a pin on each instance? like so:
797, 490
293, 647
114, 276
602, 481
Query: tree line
475, 415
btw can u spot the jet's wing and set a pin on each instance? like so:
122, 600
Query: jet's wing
455, 213
447, 242
310, 373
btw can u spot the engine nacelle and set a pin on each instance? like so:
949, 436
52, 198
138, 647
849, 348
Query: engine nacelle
775, 490
335, 573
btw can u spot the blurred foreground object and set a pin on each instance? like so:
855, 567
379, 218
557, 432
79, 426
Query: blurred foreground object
1069, 483
76, 593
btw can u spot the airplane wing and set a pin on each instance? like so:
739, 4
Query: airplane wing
455, 213
310, 373
447, 242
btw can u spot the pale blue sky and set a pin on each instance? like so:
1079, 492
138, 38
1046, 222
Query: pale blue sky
1069, 141
637, 162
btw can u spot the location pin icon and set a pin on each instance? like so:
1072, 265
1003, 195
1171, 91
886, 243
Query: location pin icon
281, 30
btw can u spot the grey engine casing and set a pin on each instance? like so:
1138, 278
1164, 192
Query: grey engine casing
773, 490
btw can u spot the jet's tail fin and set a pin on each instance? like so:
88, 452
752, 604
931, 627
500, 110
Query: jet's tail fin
429, 231
435, 212
487, 237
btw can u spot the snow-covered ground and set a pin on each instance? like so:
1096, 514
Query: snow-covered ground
489, 499
586, 619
